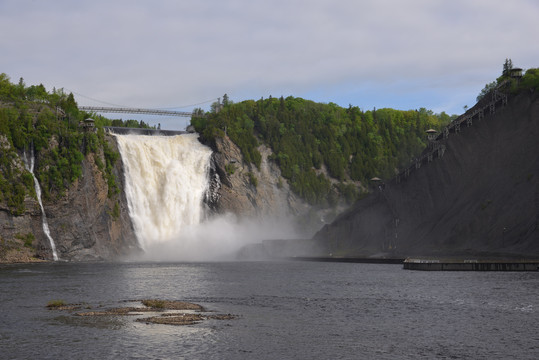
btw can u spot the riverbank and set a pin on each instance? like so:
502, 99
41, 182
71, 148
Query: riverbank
19, 254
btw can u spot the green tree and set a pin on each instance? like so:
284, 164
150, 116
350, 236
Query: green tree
28, 119
507, 67
307, 137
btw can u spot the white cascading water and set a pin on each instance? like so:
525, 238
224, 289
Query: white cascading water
30, 167
166, 178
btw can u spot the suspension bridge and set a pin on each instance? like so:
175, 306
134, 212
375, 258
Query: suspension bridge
125, 110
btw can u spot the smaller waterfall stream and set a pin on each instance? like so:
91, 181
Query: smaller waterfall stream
30, 167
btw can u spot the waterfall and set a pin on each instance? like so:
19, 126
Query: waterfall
166, 178
29, 165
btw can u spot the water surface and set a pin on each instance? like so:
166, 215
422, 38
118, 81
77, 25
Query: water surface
286, 310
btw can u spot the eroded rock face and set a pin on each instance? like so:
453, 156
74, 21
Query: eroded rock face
14, 228
84, 227
83, 223
255, 193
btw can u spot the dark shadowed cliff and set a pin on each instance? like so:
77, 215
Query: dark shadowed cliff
479, 198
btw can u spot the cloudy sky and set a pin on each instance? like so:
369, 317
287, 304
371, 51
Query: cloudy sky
408, 54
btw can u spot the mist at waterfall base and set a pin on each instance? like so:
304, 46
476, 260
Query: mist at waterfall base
216, 239
166, 180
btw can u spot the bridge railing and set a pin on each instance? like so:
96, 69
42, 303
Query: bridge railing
142, 131
106, 109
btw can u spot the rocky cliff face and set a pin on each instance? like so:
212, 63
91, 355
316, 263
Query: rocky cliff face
86, 227
82, 223
480, 199
261, 194
14, 228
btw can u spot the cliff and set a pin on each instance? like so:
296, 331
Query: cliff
245, 190
479, 199
82, 223
259, 194
473, 192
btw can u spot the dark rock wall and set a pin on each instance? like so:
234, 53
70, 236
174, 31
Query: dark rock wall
82, 223
480, 199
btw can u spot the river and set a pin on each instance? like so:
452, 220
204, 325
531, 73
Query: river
284, 310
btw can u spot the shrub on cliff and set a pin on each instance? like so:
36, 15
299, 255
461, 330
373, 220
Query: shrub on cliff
530, 80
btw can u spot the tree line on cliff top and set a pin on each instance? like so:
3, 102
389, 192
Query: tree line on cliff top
324, 151
47, 122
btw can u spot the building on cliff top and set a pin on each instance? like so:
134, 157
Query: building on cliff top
88, 125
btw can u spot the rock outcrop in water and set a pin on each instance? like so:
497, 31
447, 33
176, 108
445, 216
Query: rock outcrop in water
480, 199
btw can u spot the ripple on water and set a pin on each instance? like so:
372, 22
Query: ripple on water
286, 310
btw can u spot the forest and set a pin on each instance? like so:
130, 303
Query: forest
325, 151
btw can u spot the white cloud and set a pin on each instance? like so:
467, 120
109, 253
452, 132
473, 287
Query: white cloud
167, 53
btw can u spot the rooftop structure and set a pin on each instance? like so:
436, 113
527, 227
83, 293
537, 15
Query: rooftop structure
88, 124
514, 73
431, 134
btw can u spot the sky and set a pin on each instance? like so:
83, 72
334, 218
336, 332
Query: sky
173, 54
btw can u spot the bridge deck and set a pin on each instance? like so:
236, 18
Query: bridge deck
138, 131
106, 109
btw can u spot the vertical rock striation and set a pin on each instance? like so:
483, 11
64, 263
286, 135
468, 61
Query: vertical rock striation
260, 194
